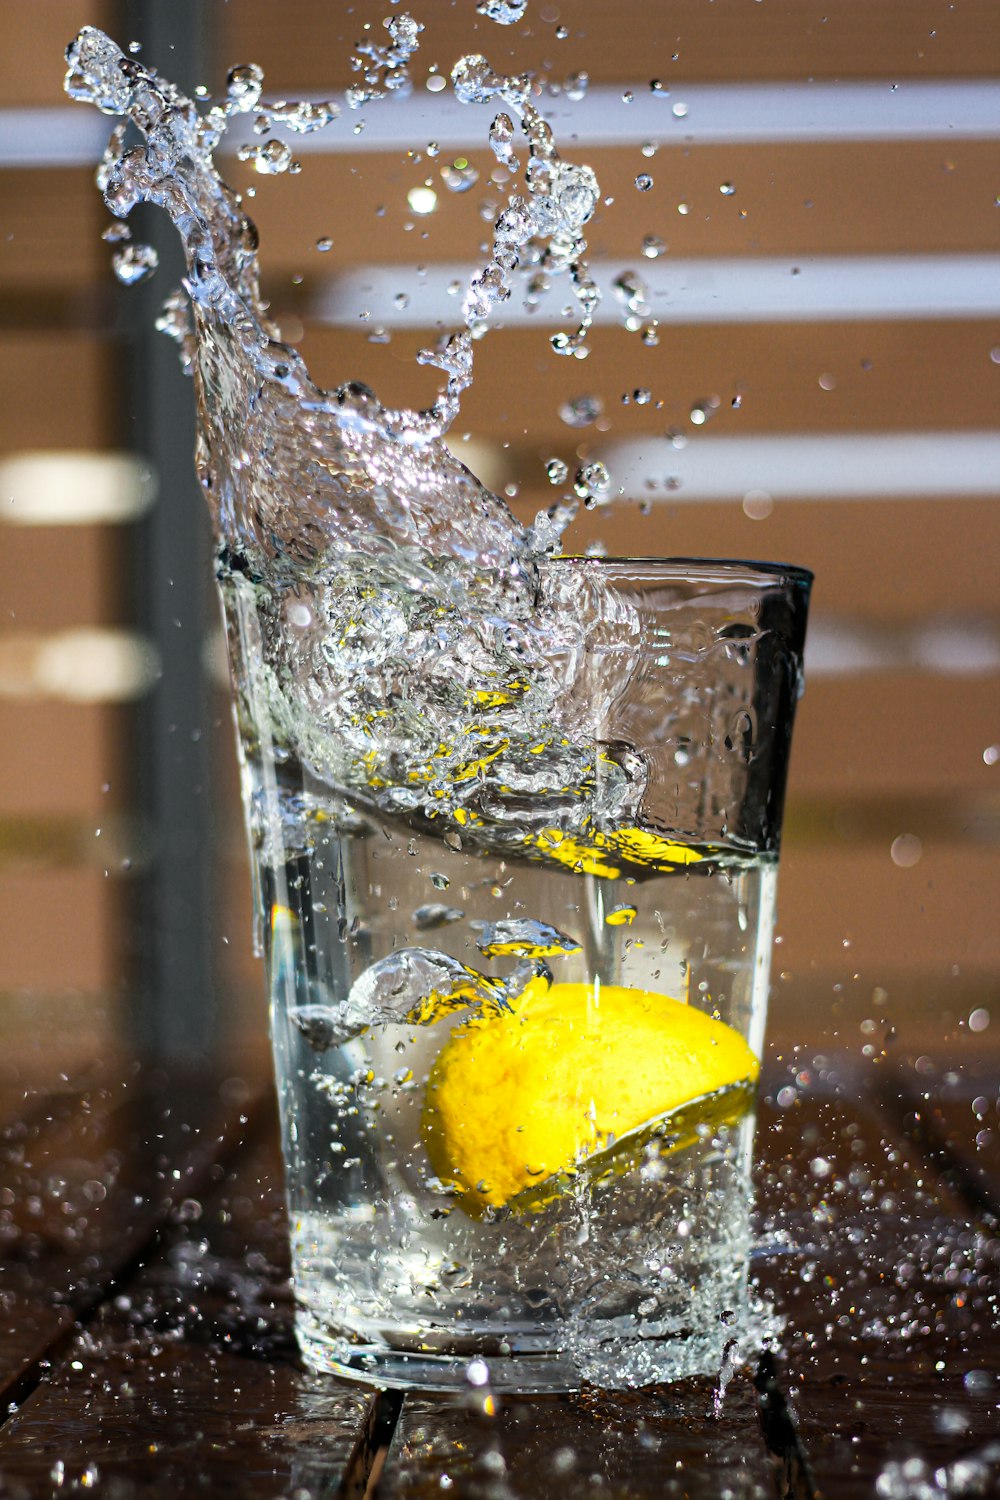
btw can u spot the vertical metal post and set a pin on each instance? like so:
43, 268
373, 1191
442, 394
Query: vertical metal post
174, 1013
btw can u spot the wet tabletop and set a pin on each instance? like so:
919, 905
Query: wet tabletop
146, 1316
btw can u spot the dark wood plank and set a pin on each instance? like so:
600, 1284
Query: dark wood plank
186, 1381
888, 1280
667, 1441
948, 1102
87, 1177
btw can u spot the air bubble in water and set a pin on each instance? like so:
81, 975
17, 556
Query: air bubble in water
133, 263
435, 914
524, 937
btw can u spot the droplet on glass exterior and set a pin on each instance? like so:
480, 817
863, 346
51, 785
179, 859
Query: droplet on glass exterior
653, 246
592, 480
503, 12
133, 263
644, 182
243, 87
459, 175
556, 471
580, 411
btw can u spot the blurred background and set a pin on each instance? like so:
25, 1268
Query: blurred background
801, 363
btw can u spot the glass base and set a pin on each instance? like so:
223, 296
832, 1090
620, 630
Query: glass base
613, 1363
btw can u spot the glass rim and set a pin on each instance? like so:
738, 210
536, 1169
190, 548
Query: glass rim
699, 566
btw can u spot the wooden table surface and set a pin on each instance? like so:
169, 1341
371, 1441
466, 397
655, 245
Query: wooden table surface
146, 1317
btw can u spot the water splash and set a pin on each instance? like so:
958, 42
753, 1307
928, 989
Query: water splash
391, 618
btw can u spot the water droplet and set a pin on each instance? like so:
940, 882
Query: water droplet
576, 86
556, 471
592, 480
906, 851
243, 87
979, 1019
422, 200
133, 263
503, 12
268, 159
727, 189
502, 140
644, 182
828, 382
458, 176
652, 246
324, 244
632, 293
683, 209
581, 411
679, 110
757, 504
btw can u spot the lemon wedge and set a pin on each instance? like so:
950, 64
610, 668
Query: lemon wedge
515, 1100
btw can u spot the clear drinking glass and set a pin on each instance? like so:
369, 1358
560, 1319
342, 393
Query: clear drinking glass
516, 1082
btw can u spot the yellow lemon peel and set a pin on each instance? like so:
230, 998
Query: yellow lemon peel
515, 1100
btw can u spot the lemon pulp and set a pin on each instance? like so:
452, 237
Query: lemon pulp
512, 1100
